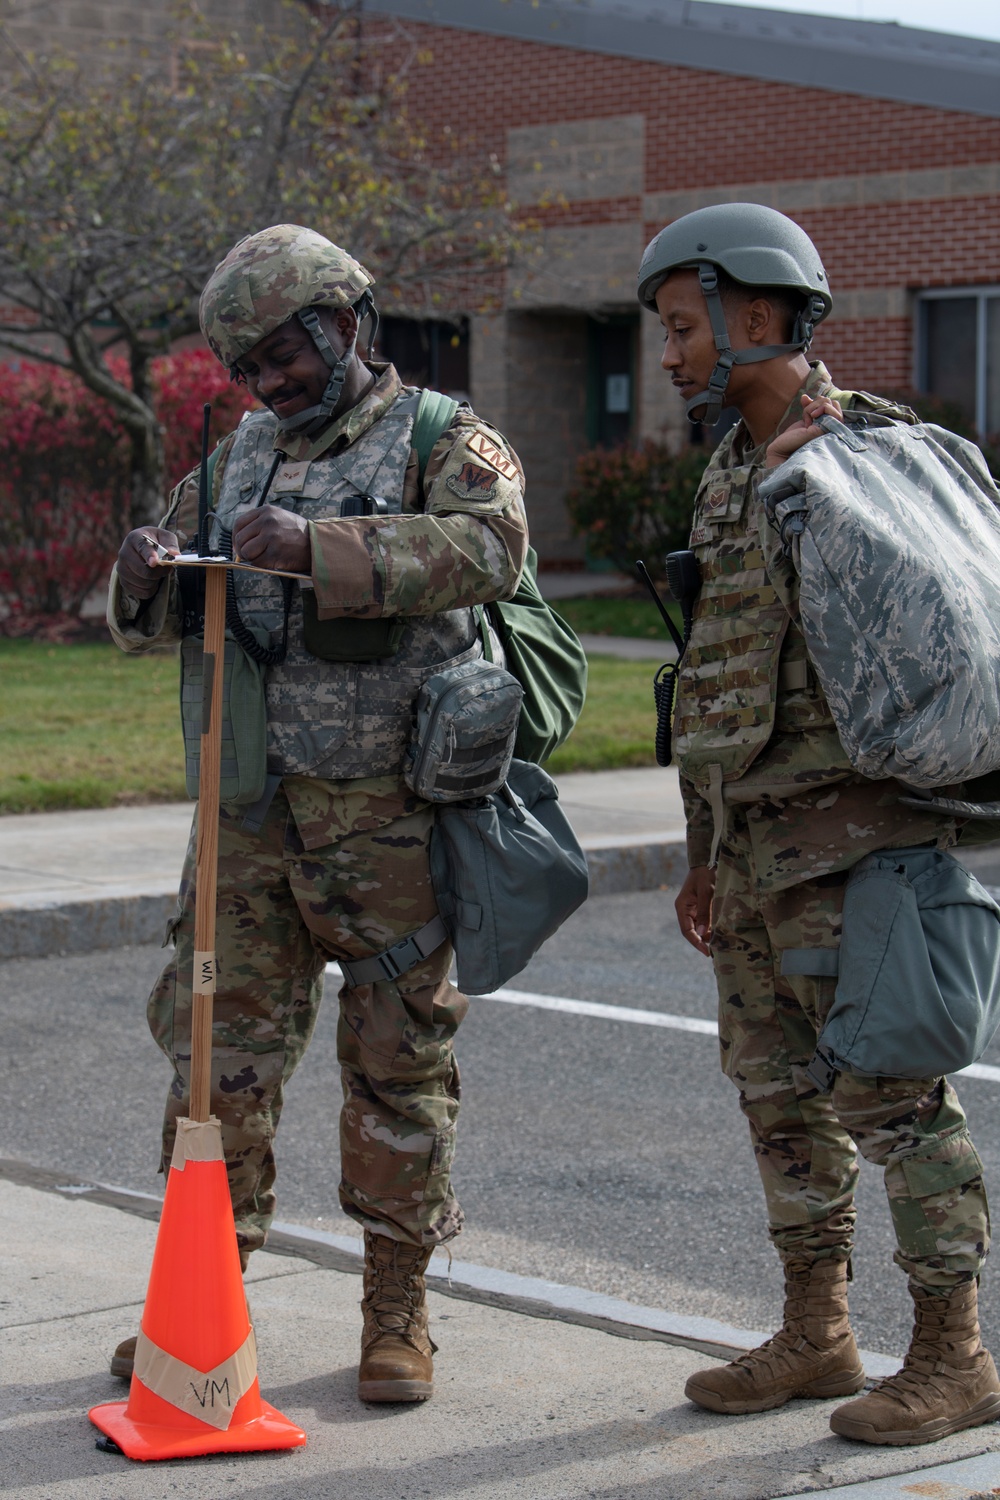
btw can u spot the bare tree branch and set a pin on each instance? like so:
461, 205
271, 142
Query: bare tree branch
31, 351
121, 188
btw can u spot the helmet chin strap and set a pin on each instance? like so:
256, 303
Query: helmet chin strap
713, 399
312, 421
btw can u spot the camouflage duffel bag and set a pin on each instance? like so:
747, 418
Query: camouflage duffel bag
894, 531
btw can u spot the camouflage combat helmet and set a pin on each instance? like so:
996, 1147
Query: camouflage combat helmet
753, 245
280, 273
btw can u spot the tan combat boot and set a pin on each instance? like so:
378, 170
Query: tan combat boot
948, 1380
396, 1350
123, 1359
813, 1355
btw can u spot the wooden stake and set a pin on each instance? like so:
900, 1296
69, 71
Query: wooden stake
208, 843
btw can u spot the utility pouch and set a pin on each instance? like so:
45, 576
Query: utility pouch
918, 969
244, 720
464, 731
344, 639
507, 871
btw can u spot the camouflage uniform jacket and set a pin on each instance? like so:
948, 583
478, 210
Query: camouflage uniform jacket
457, 540
751, 722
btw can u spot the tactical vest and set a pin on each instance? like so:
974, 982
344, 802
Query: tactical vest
335, 719
746, 673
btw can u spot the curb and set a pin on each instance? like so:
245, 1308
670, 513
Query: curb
57, 923
646, 864
463, 1280
118, 917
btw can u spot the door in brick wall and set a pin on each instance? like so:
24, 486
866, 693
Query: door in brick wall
611, 368
428, 352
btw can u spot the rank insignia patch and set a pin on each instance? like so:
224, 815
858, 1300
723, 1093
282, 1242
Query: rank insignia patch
473, 482
480, 444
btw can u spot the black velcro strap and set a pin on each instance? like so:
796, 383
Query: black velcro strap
398, 959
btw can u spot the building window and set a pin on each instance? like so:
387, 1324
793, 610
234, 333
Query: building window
428, 352
958, 352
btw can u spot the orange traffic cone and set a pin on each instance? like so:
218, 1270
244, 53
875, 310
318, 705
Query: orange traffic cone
195, 1387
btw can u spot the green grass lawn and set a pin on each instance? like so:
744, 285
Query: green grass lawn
635, 616
618, 722
88, 726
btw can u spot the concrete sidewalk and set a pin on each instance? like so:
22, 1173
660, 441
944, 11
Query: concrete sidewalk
76, 881
542, 1392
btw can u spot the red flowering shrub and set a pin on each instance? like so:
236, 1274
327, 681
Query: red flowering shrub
631, 503
65, 478
64, 494
184, 382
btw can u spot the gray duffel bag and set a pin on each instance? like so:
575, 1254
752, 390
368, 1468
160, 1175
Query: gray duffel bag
507, 871
918, 970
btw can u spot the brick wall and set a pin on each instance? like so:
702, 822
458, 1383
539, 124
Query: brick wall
605, 150
701, 128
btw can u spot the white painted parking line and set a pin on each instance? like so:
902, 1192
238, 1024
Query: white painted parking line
604, 1012
573, 1007
980, 1070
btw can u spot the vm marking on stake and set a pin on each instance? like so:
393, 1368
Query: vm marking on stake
204, 973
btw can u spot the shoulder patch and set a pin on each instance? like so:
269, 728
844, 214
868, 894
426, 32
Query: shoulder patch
473, 483
480, 444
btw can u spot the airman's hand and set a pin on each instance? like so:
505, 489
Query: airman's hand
793, 438
138, 562
271, 537
694, 907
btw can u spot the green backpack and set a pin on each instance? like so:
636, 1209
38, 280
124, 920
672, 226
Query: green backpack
542, 651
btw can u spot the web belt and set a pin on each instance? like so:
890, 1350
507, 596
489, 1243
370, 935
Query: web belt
398, 959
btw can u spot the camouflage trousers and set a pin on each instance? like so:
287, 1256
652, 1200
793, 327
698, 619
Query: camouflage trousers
805, 1140
283, 913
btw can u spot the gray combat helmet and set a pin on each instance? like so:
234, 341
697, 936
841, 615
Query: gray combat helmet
753, 245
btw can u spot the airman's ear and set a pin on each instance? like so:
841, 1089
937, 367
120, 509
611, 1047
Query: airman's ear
759, 320
342, 321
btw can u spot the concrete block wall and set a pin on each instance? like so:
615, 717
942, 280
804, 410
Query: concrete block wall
575, 161
82, 27
546, 418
